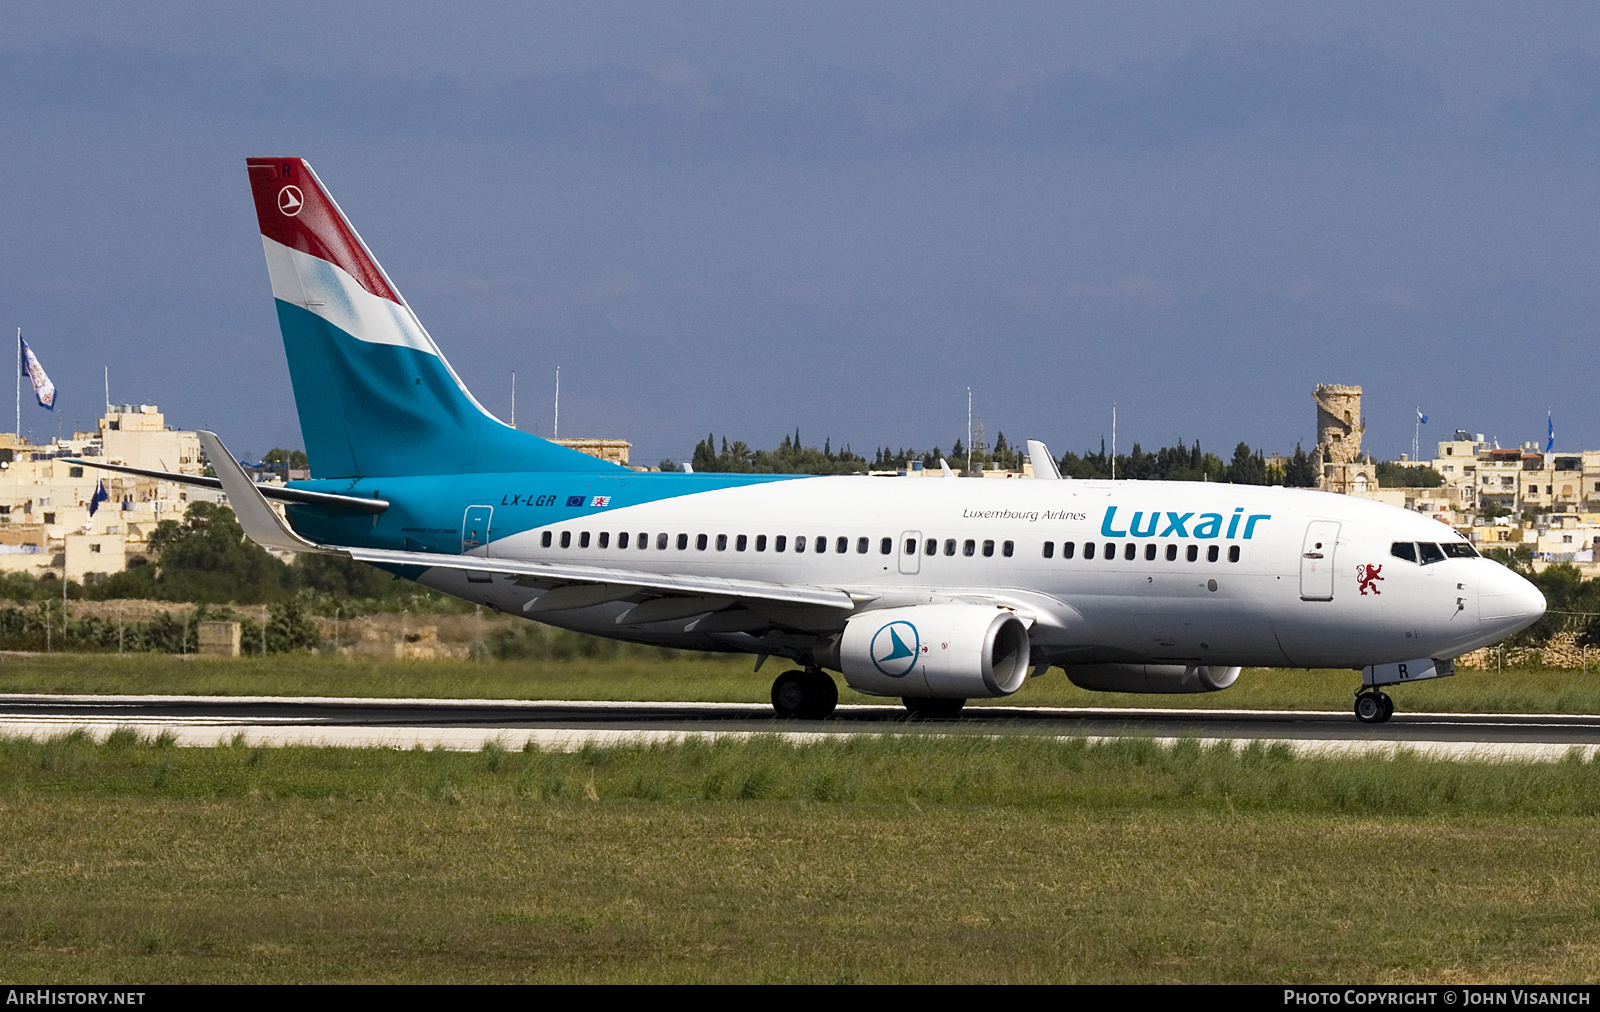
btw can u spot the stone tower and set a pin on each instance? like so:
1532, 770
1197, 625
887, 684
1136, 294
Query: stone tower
1339, 430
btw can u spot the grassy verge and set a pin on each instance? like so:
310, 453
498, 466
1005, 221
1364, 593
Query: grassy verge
728, 679
871, 859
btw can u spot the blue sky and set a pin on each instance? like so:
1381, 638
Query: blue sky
748, 218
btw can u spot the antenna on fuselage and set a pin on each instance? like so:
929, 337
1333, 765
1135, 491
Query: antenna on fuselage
555, 433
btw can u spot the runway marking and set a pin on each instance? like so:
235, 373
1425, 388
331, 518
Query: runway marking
201, 732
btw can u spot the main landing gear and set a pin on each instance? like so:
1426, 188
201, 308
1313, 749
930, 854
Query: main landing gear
804, 695
1373, 707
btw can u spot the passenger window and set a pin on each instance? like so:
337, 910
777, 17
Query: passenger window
1404, 550
1007, 548
683, 542
1049, 549
622, 540
1212, 553
779, 542
722, 542
700, 542
1459, 550
911, 546
644, 540
1172, 553
861, 546
583, 540
968, 547
761, 543
1131, 552
950, 546
1088, 550
1233, 553
820, 544
544, 539
661, 542
1430, 552
842, 545
1193, 553
566, 539
1067, 548
742, 543
988, 549
886, 547
800, 543
1149, 552
931, 548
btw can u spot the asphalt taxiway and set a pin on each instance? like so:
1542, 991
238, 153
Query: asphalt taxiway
565, 724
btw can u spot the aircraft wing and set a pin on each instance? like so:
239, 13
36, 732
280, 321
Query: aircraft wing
267, 529
278, 492
620, 578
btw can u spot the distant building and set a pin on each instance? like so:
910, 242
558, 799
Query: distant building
614, 450
45, 523
1337, 456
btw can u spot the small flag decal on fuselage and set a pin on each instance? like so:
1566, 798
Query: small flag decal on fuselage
574, 500
600, 500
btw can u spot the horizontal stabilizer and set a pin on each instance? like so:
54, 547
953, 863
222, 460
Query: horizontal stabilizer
277, 493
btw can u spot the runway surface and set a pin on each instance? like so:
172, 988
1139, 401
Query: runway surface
558, 724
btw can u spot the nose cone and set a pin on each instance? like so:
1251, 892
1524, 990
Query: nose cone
1507, 602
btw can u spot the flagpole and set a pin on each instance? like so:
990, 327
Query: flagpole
19, 386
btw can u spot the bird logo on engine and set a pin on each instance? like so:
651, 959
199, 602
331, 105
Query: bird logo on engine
894, 649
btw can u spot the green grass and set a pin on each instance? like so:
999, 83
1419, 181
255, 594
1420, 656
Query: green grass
692, 677
863, 860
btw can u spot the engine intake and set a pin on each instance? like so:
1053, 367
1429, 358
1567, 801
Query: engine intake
946, 651
1168, 678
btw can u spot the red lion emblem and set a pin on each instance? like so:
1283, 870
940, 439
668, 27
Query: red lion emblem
1366, 576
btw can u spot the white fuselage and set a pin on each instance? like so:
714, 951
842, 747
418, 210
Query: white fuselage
1218, 574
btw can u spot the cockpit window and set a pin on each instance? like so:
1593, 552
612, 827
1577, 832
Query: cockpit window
1459, 550
1404, 550
1430, 552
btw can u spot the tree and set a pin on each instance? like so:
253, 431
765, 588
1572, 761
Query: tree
206, 558
1249, 467
1301, 472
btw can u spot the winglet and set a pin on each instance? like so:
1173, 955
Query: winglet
1044, 465
261, 524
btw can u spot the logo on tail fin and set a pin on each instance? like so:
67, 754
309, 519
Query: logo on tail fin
291, 200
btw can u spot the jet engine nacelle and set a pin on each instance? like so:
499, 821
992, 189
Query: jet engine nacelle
1151, 677
947, 651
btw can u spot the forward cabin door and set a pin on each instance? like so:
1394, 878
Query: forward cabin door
910, 551
1317, 560
475, 527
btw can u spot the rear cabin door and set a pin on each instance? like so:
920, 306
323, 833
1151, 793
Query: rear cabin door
1317, 560
475, 527
910, 552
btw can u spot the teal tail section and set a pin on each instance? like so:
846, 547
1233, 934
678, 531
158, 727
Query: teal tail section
375, 396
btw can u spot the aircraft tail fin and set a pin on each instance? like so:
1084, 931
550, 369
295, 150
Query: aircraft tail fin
374, 394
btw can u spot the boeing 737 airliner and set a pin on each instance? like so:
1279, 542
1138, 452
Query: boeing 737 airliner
933, 591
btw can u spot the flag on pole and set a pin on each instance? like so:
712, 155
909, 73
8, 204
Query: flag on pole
100, 496
1422, 419
43, 389
1550, 429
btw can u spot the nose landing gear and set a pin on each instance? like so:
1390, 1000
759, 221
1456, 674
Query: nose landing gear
1373, 707
804, 695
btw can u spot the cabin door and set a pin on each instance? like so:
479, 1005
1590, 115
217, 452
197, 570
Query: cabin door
1317, 560
475, 527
